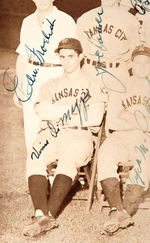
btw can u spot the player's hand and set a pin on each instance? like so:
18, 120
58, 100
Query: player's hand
17, 102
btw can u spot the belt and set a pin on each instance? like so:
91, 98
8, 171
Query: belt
101, 64
111, 131
79, 128
44, 64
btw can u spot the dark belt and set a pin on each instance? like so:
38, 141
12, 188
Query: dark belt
111, 131
79, 128
44, 64
101, 64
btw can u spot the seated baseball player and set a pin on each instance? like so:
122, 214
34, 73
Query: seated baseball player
128, 120
68, 107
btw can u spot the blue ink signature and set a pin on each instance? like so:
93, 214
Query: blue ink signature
100, 46
55, 130
145, 124
141, 6
39, 54
31, 79
38, 153
68, 115
14, 83
143, 151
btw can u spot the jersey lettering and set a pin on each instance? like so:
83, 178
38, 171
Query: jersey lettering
135, 100
119, 34
68, 93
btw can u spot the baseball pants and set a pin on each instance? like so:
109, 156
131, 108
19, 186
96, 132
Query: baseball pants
72, 148
124, 146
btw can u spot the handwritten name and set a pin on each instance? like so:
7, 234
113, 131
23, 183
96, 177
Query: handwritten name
37, 153
54, 130
101, 69
39, 54
141, 6
140, 117
30, 79
138, 170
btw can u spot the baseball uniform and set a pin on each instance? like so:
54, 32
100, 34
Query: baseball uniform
141, 12
72, 145
107, 34
129, 138
37, 45
68, 107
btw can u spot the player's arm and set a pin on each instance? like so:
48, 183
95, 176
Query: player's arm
20, 72
47, 111
117, 117
89, 111
138, 119
97, 104
44, 107
21, 63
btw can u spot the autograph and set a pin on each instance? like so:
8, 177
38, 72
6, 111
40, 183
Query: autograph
138, 170
69, 113
30, 79
103, 48
101, 70
141, 6
66, 116
140, 117
38, 153
39, 54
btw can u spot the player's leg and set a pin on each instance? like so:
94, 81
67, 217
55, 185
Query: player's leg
73, 154
43, 149
110, 154
138, 181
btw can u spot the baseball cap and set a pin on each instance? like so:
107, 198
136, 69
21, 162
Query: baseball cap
69, 43
140, 50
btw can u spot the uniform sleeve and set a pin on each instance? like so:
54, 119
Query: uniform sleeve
114, 119
45, 93
21, 47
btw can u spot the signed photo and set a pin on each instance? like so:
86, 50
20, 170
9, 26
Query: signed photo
75, 121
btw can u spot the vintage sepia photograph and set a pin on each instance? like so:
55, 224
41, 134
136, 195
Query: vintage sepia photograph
75, 121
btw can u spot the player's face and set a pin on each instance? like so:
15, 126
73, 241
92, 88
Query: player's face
109, 3
70, 60
141, 66
43, 5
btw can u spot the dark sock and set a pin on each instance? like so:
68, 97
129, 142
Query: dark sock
111, 189
61, 187
133, 196
39, 188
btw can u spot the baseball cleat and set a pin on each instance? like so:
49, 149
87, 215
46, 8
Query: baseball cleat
117, 219
40, 224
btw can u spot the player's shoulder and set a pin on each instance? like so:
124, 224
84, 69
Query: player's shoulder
53, 81
49, 84
127, 13
86, 15
29, 18
90, 81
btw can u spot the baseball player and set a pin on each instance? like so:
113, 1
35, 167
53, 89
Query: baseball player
68, 107
128, 120
139, 9
108, 34
40, 34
